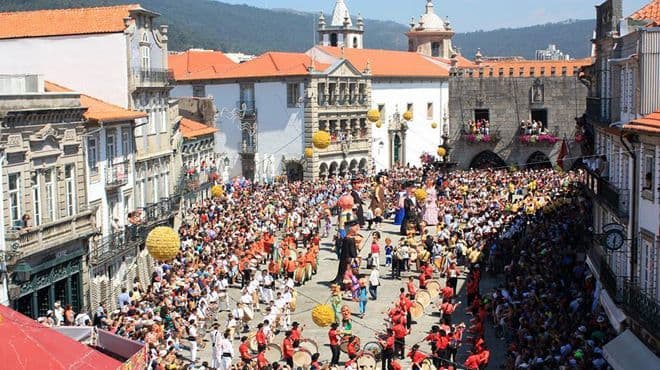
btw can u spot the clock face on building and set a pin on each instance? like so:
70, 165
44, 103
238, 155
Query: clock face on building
614, 240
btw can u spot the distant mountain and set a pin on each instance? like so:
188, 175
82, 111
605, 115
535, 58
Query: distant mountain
231, 28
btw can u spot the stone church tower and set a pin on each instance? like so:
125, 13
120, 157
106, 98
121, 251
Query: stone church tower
341, 32
431, 36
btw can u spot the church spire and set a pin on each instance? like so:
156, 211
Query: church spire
340, 13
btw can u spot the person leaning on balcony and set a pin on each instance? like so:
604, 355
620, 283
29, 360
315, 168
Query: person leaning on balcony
603, 167
25, 221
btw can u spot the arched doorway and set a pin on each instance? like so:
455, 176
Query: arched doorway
343, 168
353, 167
363, 166
294, 171
323, 170
333, 169
334, 40
487, 159
538, 160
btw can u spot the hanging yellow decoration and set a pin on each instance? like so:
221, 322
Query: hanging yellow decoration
373, 115
420, 195
323, 315
309, 152
321, 140
408, 115
434, 125
442, 151
217, 191
163, 243
378, 124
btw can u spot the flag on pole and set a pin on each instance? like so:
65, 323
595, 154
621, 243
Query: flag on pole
563, 153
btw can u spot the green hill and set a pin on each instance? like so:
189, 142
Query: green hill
216, 25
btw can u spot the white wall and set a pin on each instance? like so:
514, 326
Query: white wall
280, 129
4, 282
420, 137
92, 64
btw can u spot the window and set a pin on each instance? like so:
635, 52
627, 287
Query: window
70, 188
648, 174
334, 40
145, 53
51, 201
111, 152
152, 121
125, 142
154, 187
36, 197
540, 115
435, 49
321, 94
92, 155
199, 91
166, 184
481, 114
14, 187
292, 94
429, 110
355, 43
163, 120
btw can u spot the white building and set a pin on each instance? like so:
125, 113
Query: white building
269, 108
400, 81
551, 53
341, 32
114, 53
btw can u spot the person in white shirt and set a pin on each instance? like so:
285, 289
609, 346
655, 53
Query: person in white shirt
267, 290
374, 281
192, 337
226, 352
215, 338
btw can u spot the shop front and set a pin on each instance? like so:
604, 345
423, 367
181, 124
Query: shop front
42, 279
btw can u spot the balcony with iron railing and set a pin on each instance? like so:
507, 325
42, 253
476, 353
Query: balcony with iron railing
642, 306
116, 175
49, 235
602, 189
153, 77
247, 109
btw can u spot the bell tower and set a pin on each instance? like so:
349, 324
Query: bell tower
430, 36
341, 32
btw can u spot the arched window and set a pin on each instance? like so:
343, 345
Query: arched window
435, 49
355, 43
334, 40
145, 52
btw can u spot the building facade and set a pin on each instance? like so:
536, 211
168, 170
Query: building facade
621, 129
551, 53
489, 102
47, 217
124, 63
430, 36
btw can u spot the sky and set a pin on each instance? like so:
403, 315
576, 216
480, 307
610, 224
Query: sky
465, 15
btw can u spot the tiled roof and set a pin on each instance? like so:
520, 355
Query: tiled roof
98, 110
191, 129
61, 22
390, 63
530, 68
274, 64
463, 62
648, 124
199, 64
649, 12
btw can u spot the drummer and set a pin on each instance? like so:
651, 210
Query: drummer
416, 357
244, 350
353, 347
262, 362
334, 338
296, 333
288, 349
388, 349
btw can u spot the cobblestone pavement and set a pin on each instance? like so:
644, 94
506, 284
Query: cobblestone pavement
317, 290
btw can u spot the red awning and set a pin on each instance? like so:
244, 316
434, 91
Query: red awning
25, 345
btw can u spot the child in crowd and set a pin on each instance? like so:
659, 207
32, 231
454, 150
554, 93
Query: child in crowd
375, 249
388, 252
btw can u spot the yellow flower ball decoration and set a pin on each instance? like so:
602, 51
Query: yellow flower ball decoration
434, 125
163, 243
373, 115
378, 124
321, 140
309, 152
408, 115
323, 315
217, 191
420, 195
441, 152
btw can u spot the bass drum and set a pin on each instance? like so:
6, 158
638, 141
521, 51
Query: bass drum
427, 365
424, 297
373, 348
273, 353
309, 271
248, 314
252, 342
299, 275
417, 310
309, 345
366, 362
433, 286
302, 358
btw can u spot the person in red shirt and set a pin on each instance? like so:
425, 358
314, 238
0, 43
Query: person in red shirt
484, 357
244, 350
411, 288
432, 337
316, 365
416, 357
262, 362
395, 365
296, 333
448, 307
441, 344
406, 304
472, 362
288, 349
422, 281
447, 292
353, 347
400, 333
333, 336
388, 350
290, 267
262, 342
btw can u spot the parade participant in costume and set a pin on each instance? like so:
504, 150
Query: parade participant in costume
335, 301
357, 200
411, 217
430, 215
377, 203
348, 250
334, 338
